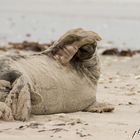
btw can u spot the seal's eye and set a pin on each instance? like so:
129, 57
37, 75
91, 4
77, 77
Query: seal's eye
86, 51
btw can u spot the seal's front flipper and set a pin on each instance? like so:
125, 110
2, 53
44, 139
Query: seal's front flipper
100, 108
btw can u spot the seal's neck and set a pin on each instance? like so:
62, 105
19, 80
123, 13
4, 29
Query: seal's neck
89, 68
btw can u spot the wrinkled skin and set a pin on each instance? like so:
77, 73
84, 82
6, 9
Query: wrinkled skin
61, 79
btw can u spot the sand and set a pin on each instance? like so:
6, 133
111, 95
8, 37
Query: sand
118, 85
116, 21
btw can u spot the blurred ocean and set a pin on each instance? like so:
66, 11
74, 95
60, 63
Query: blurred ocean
116, 21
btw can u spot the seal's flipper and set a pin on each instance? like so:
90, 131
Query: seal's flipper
5, 87
5, 112
19, 99
35, 98
100, 108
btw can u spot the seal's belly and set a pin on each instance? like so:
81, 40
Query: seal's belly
61, 88
64, 94
63, 91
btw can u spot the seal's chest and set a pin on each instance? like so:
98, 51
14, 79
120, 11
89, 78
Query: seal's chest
66, 93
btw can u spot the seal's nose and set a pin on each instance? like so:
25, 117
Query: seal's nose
86, 51
90, 49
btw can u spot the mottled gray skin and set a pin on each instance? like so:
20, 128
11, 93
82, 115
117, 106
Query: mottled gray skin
61, 79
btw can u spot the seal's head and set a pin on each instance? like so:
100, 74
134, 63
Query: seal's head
76, 43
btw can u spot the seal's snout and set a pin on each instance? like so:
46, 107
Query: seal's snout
86, 51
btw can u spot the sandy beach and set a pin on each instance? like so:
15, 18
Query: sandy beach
117, 22
118, 85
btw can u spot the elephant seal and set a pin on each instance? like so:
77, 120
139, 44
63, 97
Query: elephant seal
61, 79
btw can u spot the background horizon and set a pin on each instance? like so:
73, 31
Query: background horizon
116, 21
